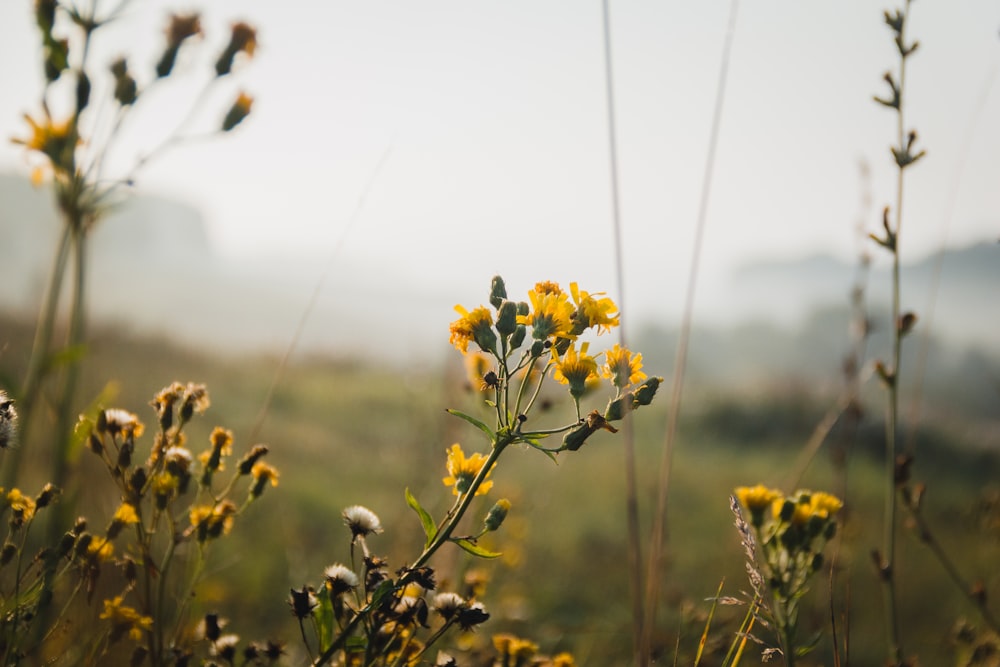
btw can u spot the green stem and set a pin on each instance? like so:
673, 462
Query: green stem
38, 363
439, 539
889, 537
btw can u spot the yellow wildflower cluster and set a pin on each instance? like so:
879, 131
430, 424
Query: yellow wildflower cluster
556, 320
125, 620
517, 652
786, 547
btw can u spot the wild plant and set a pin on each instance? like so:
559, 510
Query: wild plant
72, 139
904, 156
784, 544
147, 560
366, 613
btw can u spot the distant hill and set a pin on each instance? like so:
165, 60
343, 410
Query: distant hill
964, 299
154, 270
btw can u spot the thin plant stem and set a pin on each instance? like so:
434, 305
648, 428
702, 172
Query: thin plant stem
38, 363
889, 537
680, 360
65, 414
628, 441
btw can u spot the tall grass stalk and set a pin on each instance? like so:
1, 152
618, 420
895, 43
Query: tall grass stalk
659, 527
901, 325
640, 647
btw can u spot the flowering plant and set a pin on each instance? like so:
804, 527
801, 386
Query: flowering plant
364, 615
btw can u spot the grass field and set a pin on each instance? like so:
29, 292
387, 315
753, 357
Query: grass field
346, 433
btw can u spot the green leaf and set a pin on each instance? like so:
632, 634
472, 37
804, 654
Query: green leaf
475, 422
475, 549
324, 619
430, 530
356, 644
81, 431
384, 589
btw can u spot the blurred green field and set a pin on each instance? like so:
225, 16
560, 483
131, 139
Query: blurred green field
350, 432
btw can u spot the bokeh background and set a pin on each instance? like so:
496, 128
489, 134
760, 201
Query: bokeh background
400, 154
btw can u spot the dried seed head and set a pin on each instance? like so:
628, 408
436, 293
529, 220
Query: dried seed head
362, 521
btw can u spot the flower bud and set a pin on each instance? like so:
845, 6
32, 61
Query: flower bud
498, 292
7, 553
237, 112
126, 90
496, 515
518, 336
82, 91
645, 392
486, 339
243, 38
506, 318
619, 407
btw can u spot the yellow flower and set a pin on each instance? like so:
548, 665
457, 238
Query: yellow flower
824, 504
125, 619
575, 369
474, 326
55, 140
757, 498
622, 367
462, 471
100, 549
212, 521
126, 514
262, 474
548, 287
551, 314
563, 660
21, 506
593, 312
211, 460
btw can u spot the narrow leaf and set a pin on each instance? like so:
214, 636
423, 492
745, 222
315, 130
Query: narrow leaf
475, 549
430, 530
475, 422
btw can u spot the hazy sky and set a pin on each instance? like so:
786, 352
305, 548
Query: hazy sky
491, 121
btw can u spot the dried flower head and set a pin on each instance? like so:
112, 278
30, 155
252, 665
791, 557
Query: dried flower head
472, 615
340, 579
8, 421
302, 602
448, 604
119, 422
362, 521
